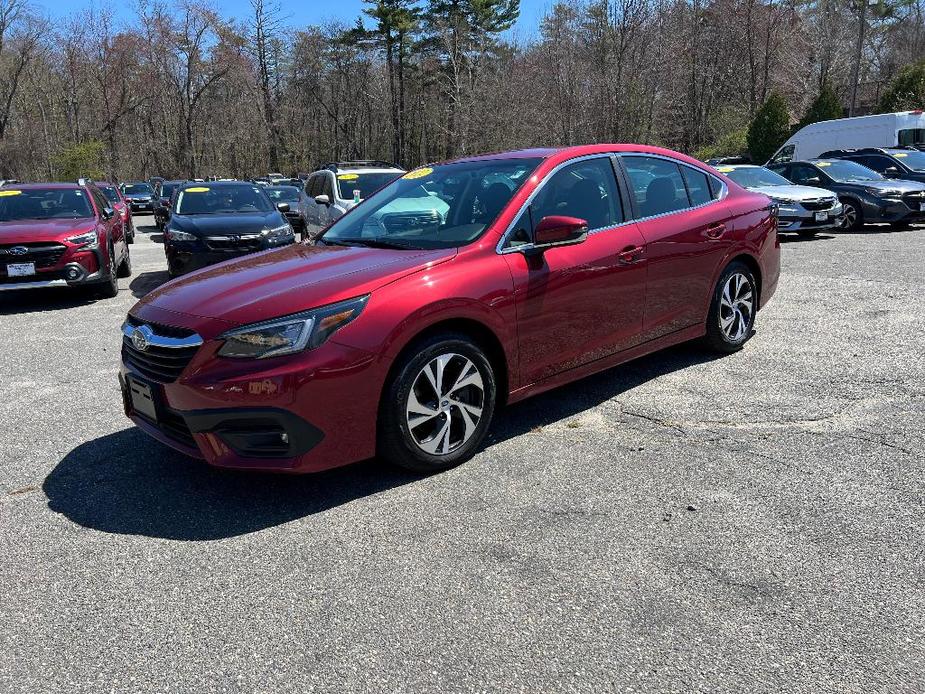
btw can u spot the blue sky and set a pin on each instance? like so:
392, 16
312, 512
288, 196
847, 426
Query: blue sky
301, 11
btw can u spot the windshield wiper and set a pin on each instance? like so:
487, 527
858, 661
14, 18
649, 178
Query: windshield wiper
371, 243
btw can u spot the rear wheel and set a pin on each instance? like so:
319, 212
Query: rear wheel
438, 407
732, 310
854, 216
125, 267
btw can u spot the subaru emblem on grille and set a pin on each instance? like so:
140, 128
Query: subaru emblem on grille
140, 339
18, 250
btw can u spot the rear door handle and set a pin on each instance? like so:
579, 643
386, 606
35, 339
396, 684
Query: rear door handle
714, 231
632, 254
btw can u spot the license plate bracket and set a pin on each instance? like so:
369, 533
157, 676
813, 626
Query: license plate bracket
20, 269
822, 216
141, 399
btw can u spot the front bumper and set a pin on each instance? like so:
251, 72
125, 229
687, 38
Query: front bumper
302, 413
186, 256
141, 206
74, 268
797, 218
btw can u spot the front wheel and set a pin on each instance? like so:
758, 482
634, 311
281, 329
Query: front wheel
437, 409
109, 289
732, 310
854, 216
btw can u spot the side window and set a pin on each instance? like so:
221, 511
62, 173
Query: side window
716, 187
657, 185
585, 189
521, 233
784, 155
878, 164
326, 186
805, 175
100, 200
315, 182
698, 187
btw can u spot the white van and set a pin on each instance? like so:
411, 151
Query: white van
882, 130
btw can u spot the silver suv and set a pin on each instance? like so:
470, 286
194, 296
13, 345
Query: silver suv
337, 187
803, 209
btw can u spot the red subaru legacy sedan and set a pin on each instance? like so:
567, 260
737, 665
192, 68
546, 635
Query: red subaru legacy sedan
452, 290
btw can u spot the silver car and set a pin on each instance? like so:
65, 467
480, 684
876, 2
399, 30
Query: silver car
802, 209
333, 190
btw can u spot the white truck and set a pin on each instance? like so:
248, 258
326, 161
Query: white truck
881, 130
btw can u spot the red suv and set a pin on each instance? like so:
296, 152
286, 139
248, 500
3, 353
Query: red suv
452, 290
61, 235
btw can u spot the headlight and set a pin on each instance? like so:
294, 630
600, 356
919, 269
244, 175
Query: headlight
291, 334
278, 232
879, 192
175, 235
88, 239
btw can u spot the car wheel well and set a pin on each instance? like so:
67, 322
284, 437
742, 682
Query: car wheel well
753, 265
479, 333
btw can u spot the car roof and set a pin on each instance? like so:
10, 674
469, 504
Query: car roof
565, 153
44, 186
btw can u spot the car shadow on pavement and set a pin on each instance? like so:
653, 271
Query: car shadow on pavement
127, 483
45, 299
796, 238
147, 282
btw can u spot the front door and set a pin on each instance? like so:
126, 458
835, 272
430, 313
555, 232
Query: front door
577, 303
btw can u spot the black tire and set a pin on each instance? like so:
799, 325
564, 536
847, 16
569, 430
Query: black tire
110, 288
130, 234
396, 442
854, 215
732, 338
125, 267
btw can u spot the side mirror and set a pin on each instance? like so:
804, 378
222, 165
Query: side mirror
891, 172
814, 181
282, 206
108, 213
322, 199
559, 230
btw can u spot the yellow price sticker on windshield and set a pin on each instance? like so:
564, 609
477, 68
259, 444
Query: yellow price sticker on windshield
419, 173
348, 177
900, 155
823, 164
9, 193
725, 169
197, 190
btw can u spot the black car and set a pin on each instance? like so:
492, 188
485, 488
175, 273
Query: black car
139, 195
162, 202
290, 195
866, 195
212, 222
901, 163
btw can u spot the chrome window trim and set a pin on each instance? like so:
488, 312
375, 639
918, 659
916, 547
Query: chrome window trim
499, 247
152, 338
724, 192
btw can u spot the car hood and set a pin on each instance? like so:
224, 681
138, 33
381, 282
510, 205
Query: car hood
893, 185
797, 193
227, 224
284, 281
43, 229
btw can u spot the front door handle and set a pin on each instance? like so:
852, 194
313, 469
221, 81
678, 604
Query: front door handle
630, 254
715, 231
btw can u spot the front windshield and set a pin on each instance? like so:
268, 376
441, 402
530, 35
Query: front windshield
283, 194
434, 207
913, 159
137, 189
366, 183
845, 171
111, 193
754, 177
43, 203
222, 199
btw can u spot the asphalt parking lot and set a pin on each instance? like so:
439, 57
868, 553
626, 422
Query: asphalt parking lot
682, 523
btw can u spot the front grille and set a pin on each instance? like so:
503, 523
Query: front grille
411, 221
160, 364
233, 243
817, 205
914, 200
173, 425
44, 255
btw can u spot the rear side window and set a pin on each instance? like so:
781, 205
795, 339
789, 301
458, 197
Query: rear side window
698, 187
716, 187
658, 187
784, 155
585, 189
314, 185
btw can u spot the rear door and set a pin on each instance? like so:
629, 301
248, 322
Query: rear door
310, 207
576, 304
687, 229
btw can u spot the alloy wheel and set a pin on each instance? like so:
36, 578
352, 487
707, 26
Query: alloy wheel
736, 307
851, 217
445, 404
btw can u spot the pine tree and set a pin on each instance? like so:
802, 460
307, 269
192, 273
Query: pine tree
769, 129
826, 106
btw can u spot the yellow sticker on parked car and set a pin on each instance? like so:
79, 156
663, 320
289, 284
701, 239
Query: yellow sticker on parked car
823, 164
9, 193
724, 169
900, 155
348, 177
419, 173
197, 190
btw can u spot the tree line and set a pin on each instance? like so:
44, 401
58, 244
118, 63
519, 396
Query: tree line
183, 91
